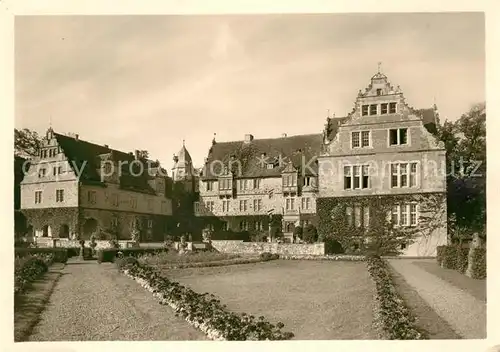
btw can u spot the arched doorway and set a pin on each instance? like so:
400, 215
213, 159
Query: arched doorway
64, 231
89, 227
45, 231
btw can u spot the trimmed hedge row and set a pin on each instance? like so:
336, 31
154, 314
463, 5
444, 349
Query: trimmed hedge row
109, 254
224, 262
204, 311
479, 263
392, 313
457, 258
29, 268
60, 254
341, 257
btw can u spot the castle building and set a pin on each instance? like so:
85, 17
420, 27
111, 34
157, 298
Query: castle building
75, 189
382, 149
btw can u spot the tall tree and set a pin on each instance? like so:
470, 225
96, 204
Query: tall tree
465, 142
26, 142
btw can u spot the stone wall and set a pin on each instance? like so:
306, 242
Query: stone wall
241, 247
46, 242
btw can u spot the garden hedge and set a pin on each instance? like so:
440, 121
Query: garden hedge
393, 315
203, 311
60, 254
109, 254
479, 263
29, 268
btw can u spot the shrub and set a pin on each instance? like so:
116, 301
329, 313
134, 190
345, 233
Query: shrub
479, 263
125, 262
450, 255
310, 234
29, 268
205, 310
109, 254
462, 258
332, 246
60, 254
395, 318
268, 256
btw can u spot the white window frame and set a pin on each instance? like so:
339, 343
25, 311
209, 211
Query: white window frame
196, 207
367, 110
243, 205
405, 208
398, 137
370, 110
399, 174
360, 139
362, 168
257, 204
59, 195
389, 107
38, 199
387, 110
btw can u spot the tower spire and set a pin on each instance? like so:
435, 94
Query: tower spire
379, 66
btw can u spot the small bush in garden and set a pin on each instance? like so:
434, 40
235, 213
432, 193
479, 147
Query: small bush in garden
396, 319
450, 257
462, 258
205, 310
479, 263
60, 254
29, 268
125, 262
268, 256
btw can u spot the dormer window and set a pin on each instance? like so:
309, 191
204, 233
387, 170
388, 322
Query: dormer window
392, 108
270, 166
379, 91
364, 110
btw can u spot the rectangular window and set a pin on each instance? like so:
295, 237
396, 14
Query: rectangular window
357, 216
307, 181
364, 110
258, 226
225, 226
348, 213
210, 205
366, 216
355, 140
395, 215
42, 173
59, 195
404, 215
379, 91
413, 174
357, 177
347, 177
373, 109
365, 176
257, 204
243, 205
365, 138
290, 203
392, 108
210, 186
243, 225
38, 197
413, 215
398, 136
383, 108
403, 177
225, 205
256, 183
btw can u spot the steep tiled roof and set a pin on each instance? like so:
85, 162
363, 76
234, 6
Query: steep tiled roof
82, 153
254, 155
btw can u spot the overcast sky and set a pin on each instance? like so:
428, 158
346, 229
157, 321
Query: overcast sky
148, 82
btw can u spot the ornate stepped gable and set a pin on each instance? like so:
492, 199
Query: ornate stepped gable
380, 86
256, 154
88, 155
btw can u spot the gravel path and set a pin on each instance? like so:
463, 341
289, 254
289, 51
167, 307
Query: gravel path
465, 313
95, 302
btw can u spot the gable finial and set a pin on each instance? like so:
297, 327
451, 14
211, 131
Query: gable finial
379, 66
327, 112
183, 142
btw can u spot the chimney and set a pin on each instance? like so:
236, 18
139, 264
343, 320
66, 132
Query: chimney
248, 138
76, 136
137, 154
283, 135
106, 146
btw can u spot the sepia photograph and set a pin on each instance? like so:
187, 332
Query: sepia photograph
246, 177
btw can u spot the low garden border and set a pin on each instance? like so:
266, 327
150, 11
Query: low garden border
203, 311
226, 262
392, 314
341, 257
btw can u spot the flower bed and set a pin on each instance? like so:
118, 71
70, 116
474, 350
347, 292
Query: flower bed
203, 311
392, 314
226, 262
109, 254
29, 268
60, 254
342, 257
175, 259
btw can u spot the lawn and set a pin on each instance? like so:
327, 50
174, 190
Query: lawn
315, 300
